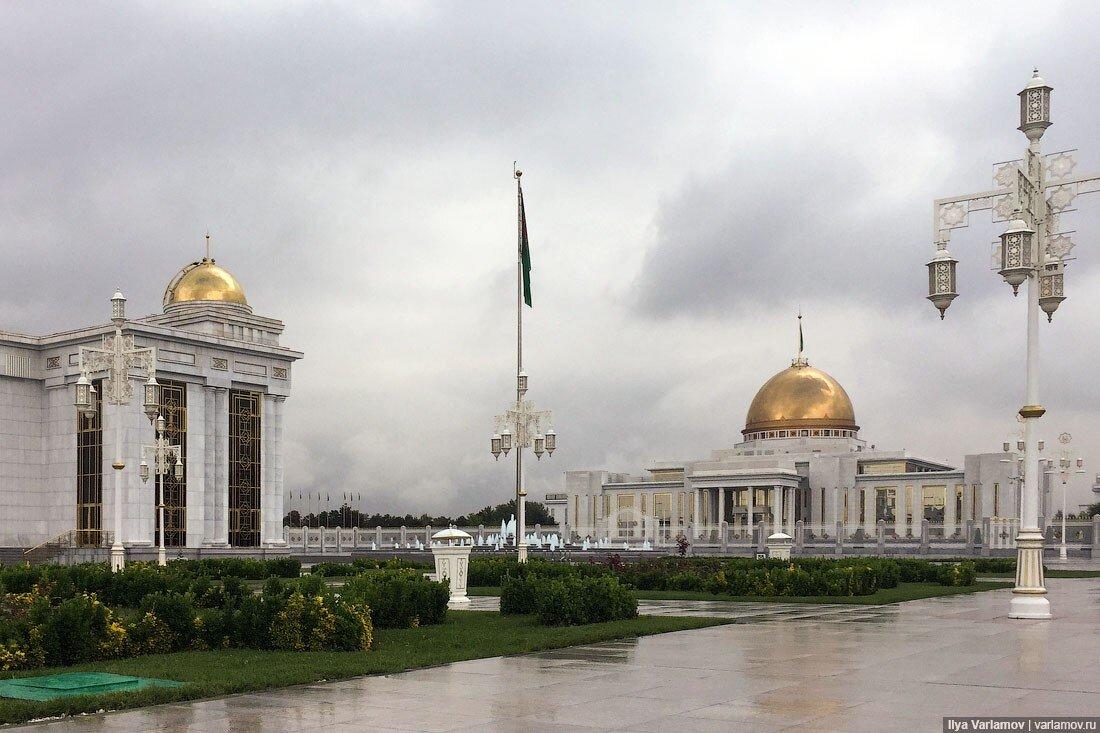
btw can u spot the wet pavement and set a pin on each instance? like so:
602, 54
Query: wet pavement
778, 667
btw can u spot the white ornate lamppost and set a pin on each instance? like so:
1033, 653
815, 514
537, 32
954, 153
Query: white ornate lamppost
1067, 462
1031, 194
522, 426
166, 459
116, 356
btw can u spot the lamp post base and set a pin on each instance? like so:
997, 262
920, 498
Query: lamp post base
1029, 596
118, 557
521, 552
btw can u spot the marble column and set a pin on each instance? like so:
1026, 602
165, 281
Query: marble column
721, 507
949, 519
790, 506
750, 517
869, 511
277, 493
854, 518
221, 467
695, 517
899, 511
197, 438
210, 484
777, 510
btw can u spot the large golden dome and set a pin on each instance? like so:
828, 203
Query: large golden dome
204, 280
801, 397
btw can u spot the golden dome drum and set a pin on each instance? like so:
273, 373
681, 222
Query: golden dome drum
800, 398
204, 281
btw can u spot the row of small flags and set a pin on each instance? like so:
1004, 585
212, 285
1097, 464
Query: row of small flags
352, 496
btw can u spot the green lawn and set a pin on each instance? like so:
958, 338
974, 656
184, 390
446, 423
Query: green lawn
465, 635
904, 592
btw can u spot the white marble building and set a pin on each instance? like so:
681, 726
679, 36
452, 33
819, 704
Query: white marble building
225, 379
800, 458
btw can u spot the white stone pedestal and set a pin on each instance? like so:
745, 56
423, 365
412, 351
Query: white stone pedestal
451, 549
779, 546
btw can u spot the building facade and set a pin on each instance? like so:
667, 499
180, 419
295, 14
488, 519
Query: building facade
800, 458
224, 380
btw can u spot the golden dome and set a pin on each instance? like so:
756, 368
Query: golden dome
800, 397
204, 281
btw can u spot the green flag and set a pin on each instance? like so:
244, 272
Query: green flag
524, 249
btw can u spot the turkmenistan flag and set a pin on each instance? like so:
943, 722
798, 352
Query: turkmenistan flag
524, 249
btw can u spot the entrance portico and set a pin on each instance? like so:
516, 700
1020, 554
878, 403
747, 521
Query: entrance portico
741, 498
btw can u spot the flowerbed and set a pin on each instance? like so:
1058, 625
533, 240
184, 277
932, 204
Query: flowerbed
57, 615
40, 628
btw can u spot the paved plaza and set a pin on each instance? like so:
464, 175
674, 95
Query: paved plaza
776, 667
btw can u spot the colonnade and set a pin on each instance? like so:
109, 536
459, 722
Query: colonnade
777, 509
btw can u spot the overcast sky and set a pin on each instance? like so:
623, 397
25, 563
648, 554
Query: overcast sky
694, 173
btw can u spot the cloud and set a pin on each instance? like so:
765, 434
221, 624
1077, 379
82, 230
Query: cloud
694, 174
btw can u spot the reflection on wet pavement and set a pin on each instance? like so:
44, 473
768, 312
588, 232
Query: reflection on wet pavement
776, 667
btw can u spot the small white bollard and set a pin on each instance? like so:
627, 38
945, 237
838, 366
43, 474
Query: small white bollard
452, 562
779, 546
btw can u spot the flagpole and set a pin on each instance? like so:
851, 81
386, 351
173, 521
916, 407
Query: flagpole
521, 493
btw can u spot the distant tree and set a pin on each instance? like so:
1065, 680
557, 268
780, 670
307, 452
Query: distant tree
345, 516
1090, 511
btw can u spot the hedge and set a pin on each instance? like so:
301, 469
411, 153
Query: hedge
400, 598
735, 576
568, 600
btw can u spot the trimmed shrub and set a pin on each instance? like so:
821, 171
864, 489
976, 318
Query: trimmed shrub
399, 599
519, 595
176, 612
574, 601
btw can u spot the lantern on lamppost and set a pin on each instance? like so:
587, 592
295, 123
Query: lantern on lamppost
1035, 107
118, 307
506, 440
1017, 253
1051, 287
494, 446
84, 401
152, 397
942, 283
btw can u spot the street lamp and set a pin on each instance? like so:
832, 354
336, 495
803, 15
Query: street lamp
166, 459
1030, 194
1067, 463
522, 426
116, 356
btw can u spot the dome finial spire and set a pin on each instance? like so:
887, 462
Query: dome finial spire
207, 245
800, 360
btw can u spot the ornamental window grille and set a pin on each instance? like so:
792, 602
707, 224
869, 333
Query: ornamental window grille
244, 468
1034, 106
173, 406
89, 473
